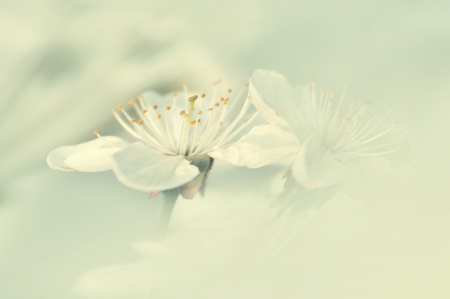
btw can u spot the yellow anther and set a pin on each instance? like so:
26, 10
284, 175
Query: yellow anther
119, 107
175, 94
140, 97
226, 101
133, 120
222, 99
230, 90
144, 111
203, 95
182, 112
182, 83
140, 122
133, 101
159, 116
167, 108
210, 109
199, 120
96, 132
217, 104
155, 107
310, 88
193, 122
322, 89
200, 113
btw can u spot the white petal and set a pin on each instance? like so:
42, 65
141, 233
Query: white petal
263, 145
141, 168
91, 156
315, 167
271, 93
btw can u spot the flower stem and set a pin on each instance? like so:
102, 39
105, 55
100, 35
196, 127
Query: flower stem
168, 203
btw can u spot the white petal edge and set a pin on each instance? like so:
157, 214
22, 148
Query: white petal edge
140, 167
263, 145
269, 91
92, 156
314, 167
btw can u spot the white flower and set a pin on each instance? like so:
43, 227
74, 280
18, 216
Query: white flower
106, 52
178, 138
334, 137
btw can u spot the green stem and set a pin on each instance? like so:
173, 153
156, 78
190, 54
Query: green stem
169, 200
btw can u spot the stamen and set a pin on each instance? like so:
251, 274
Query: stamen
97, 132
167, 130
174, 100
179, 137
125, 125
194, 140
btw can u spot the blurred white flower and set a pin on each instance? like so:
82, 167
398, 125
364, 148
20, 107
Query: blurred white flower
335, 139
225, 246
178, 139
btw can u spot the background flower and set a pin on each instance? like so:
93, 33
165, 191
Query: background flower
337, 138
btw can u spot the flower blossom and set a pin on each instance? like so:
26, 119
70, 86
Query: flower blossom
178, 139
334, 137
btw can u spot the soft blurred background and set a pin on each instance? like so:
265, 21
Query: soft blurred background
65, 64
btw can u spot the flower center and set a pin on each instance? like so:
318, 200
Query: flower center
342, 130
174, 131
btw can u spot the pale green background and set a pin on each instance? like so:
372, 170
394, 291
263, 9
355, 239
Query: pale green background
388, 244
